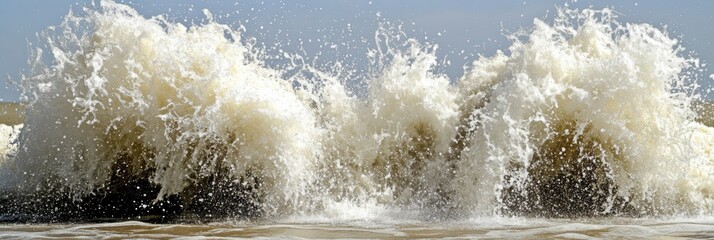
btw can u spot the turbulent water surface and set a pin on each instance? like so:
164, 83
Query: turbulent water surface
478, 228
133, 118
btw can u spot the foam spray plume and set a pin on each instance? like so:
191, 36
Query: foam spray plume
583, 116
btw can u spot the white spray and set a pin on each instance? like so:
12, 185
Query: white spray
184, 103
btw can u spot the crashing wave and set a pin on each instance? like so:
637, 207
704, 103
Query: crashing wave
584, 116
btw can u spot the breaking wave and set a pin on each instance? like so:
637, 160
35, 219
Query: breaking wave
580, 116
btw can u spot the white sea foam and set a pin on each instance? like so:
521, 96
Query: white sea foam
181, 103
8, 147
610, 84
184, 101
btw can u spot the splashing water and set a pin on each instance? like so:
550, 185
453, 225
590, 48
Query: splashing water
586, 98
584, 116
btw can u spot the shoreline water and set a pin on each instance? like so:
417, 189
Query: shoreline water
508, 228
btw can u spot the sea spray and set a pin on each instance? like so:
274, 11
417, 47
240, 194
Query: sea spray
8, 146
379, 147
179, 103
400, 134
604, 91
584, 116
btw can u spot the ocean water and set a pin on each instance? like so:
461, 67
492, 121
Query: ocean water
482, 228
143, 127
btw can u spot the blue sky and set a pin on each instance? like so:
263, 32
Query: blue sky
476, 27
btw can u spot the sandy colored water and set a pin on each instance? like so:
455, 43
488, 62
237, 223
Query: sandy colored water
10, 113
481, 228
705, 110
